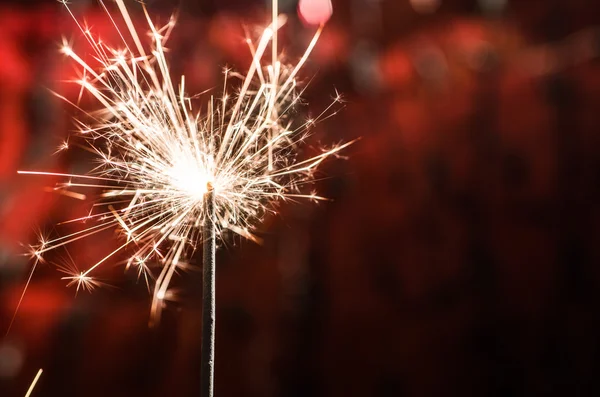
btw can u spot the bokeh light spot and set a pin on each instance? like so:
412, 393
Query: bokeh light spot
315, 12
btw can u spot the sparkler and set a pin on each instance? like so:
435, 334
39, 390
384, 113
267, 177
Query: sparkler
173, 174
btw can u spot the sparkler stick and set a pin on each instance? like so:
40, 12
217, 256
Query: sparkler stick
208, 296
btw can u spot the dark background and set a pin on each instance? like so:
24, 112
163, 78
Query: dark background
459, 254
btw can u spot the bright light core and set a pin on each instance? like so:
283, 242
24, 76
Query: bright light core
190, 178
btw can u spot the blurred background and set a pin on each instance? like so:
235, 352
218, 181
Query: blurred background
459, 255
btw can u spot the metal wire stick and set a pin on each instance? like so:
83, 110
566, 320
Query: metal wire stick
208, 296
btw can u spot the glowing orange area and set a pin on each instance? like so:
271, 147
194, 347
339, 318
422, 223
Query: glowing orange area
425, 6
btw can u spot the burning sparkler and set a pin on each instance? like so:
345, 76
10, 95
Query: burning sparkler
173, 175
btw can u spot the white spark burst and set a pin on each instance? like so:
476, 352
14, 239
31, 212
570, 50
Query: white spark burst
158, 154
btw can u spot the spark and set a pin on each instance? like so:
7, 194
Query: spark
35, 380
63, 146
81, 281
67, 193
74, 276
35, 254
160, 150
